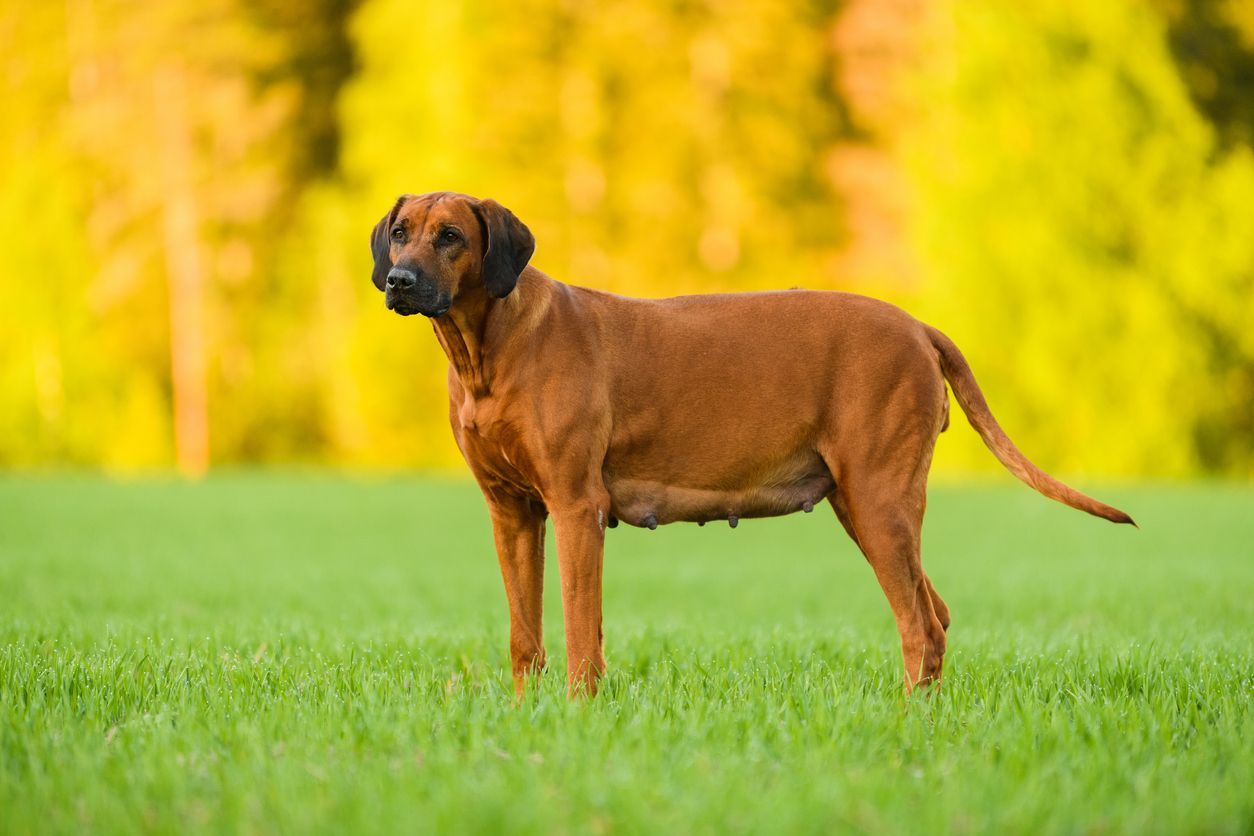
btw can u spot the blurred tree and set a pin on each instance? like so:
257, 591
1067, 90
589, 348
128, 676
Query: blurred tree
186, 190
876, 41
176, 164
654, 149
1086, 236
1212, 42
44, 324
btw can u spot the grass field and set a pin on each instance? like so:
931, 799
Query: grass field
276, 653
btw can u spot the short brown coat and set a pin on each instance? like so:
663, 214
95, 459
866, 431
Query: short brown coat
597, 408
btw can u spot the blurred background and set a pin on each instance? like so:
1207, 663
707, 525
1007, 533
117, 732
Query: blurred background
1066, 187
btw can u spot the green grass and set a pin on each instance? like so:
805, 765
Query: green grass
275, 653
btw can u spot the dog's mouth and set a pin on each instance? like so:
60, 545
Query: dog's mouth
407, 307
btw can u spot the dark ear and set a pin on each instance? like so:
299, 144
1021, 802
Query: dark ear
508, 247
381, 245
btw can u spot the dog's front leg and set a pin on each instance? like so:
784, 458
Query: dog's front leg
518, 528
580, 529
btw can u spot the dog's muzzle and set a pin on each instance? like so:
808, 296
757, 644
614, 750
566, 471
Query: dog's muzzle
407, 293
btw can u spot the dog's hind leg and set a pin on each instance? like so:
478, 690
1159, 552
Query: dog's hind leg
938, 604
842, 514
888, 531
880, 502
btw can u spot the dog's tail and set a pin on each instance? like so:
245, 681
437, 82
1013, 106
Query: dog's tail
971, 399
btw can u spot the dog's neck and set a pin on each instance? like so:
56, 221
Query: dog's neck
474, 331
460, 332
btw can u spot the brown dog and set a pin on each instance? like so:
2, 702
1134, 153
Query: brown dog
597, 408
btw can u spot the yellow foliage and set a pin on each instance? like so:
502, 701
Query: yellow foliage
1056, 184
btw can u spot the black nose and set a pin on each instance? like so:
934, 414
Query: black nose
401, 278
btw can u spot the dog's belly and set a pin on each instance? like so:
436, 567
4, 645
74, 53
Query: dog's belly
638, 498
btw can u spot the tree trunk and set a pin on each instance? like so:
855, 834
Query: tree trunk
185, 275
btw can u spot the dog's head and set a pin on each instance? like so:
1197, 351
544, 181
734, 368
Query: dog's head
433, 249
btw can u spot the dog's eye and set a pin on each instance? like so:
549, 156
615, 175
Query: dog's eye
398, 233
450, 235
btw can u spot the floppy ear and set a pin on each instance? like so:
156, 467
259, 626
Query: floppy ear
381, 245
507, 248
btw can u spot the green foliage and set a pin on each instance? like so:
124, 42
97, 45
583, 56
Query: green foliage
1087, 240
277, 654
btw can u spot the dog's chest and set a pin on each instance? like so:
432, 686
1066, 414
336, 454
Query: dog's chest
467, 415
488, 441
